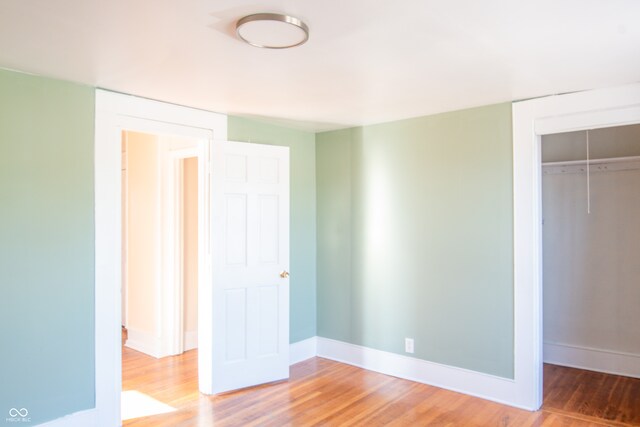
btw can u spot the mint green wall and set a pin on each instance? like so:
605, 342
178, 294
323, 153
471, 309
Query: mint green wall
333, 162
415, 237
302, 214
47, 246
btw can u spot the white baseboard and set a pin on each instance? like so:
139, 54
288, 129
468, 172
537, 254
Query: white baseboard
144, 342
610, 362
303, 350
77, 419
460, 380
190, 340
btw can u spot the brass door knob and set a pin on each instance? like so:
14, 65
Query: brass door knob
284, 274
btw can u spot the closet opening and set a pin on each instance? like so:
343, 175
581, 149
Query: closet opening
591, 270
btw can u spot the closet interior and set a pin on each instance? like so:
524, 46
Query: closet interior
591, 249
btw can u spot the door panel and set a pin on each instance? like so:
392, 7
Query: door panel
268, 321
250, 207
236, 232
236, 343
269, 229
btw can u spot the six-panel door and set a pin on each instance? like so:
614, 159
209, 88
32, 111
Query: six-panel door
250, 235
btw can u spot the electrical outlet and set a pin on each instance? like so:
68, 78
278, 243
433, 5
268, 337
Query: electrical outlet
408, 345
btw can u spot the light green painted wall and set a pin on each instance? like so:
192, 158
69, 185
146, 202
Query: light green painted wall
47, 246
415, 237
333, 162
302, 214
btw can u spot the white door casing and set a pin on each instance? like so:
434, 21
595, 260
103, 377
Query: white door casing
115, 113
250, 252
174, 151
531, 119
124, 215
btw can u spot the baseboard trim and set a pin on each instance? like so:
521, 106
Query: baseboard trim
190, 340
485, 386
77, 419
592, 359
303, 350
478, 384
144, 342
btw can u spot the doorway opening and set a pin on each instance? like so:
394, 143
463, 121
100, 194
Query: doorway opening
245, 192
114, 113
162, 208
532, 119
591, 263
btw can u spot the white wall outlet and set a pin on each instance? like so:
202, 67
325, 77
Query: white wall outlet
408, 345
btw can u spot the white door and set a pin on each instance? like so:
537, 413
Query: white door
250, 242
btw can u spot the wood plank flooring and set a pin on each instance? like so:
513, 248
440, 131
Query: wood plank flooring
592, 395
321, 392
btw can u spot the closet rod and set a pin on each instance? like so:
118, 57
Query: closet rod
593, 161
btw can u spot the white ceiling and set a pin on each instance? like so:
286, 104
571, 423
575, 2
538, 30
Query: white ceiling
367, 61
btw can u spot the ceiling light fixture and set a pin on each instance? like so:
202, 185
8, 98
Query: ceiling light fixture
272, 30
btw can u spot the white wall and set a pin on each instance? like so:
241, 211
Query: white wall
190, 245
143, 241
592, 270
618, 141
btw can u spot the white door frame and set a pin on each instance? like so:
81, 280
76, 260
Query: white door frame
124, 244
532, 119
114, 113
173, 238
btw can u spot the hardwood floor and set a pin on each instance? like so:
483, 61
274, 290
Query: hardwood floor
592, 395
321, 392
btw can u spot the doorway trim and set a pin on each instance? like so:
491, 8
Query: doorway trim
531, 119
116, 112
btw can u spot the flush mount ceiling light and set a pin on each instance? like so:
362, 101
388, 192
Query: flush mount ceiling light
272, 30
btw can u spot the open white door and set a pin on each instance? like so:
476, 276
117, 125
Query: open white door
250, 242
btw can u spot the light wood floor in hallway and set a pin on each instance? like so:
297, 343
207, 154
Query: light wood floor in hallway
326, 393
